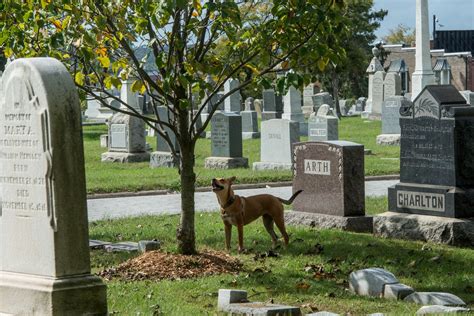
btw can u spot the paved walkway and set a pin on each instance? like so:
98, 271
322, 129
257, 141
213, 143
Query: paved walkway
205, 201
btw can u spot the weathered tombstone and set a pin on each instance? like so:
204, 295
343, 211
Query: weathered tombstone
105, 113
233, 102
249, 120
272, 105
331, 175
127, 136
275, 148
392, 85
323, 127
374, 67
436, 165
163, 156
92, 111
377, 94
226, 142
292, 109
308, 92
129, 97
210, 100
391, 120
44, 250
360, 104
320, 99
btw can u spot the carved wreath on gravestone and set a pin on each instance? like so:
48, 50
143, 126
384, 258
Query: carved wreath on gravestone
427, 107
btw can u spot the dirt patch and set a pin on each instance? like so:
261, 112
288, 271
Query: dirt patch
156, 265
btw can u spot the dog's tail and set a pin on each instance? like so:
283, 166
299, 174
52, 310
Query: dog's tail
292, 198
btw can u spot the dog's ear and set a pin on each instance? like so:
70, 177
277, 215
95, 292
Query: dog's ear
231, 180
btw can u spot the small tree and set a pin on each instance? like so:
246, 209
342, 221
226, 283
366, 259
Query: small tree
402, 34
99, 41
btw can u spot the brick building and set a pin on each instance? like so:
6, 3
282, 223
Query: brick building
402, 59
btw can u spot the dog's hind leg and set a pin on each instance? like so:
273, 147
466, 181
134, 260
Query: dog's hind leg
268, 223
280, 223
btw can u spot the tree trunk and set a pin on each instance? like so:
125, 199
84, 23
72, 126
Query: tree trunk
185, 233
335, 93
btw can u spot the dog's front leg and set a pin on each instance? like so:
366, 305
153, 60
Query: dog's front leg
228, 234
240, 230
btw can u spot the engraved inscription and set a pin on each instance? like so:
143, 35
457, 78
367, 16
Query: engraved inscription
318, 132
25, 154
274, 136
319, 167
421, 201
220, 133
118, 136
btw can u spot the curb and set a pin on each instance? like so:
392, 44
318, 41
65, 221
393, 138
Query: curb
205, 189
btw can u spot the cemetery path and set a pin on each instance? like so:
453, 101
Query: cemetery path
108, 208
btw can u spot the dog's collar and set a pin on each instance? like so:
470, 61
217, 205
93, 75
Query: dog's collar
229, 202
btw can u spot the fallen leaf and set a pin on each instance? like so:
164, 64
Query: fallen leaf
303, 286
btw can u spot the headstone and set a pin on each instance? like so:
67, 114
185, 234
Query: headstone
377, 93
391, 120
105, 113
104, 140
360, 104
322, 98
322, 128
233, 102
374, 66
371, 282
272, 105
436, 150
163, 156
392, 85
92, 110
44, 240
226, 142
331, 174
292, 109
308, 92
129, 97
209, 100
275, 147
249, 120
435, 298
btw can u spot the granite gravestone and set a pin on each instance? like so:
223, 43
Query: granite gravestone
391, 120
209, 100
436, 156
378, 93
226, 142
292, 109
322, 128
320, 99
308, 93
233, 102
249, 120
272, 105
275, 147
360, 104
44, 251
331, 175
92, 111
392, 85
127, 135
163, 156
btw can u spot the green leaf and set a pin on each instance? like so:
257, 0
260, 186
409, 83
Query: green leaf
104, 61
79, 78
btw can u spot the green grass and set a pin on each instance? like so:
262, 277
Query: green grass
278, 278
115, 177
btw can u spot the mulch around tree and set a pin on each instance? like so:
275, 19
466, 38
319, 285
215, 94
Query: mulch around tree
157, 265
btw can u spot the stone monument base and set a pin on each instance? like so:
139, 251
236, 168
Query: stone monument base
388, 139
360, 224
24, 294
226, 162
113, 156
250, 135
163, 159
263, 165
365, 115
452, 231
269, 115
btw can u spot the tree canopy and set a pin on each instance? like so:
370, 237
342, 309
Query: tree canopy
402, 34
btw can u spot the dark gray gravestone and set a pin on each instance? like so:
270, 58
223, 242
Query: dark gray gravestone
320, 99
163, 156
321, 128
332, 176
272, 105
436, 156
226, 135
391, 114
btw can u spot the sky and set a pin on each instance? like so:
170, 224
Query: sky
452, 14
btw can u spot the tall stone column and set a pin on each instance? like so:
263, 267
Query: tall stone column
423, 74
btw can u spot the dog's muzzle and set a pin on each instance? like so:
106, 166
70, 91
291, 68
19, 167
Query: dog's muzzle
216, 186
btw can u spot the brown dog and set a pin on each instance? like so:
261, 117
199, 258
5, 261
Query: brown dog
239, 211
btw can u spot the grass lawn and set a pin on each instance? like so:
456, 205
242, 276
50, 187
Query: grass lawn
103, 177
283, 278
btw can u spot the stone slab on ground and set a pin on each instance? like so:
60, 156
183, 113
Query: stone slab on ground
127, 246
124, 157
440, 309
361, 224
388, 139
261, 309
397, 291
371, 281
435, 298
162, 159
98, 244
226, 162
262, 165
148, 245
452, 231
323, 313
